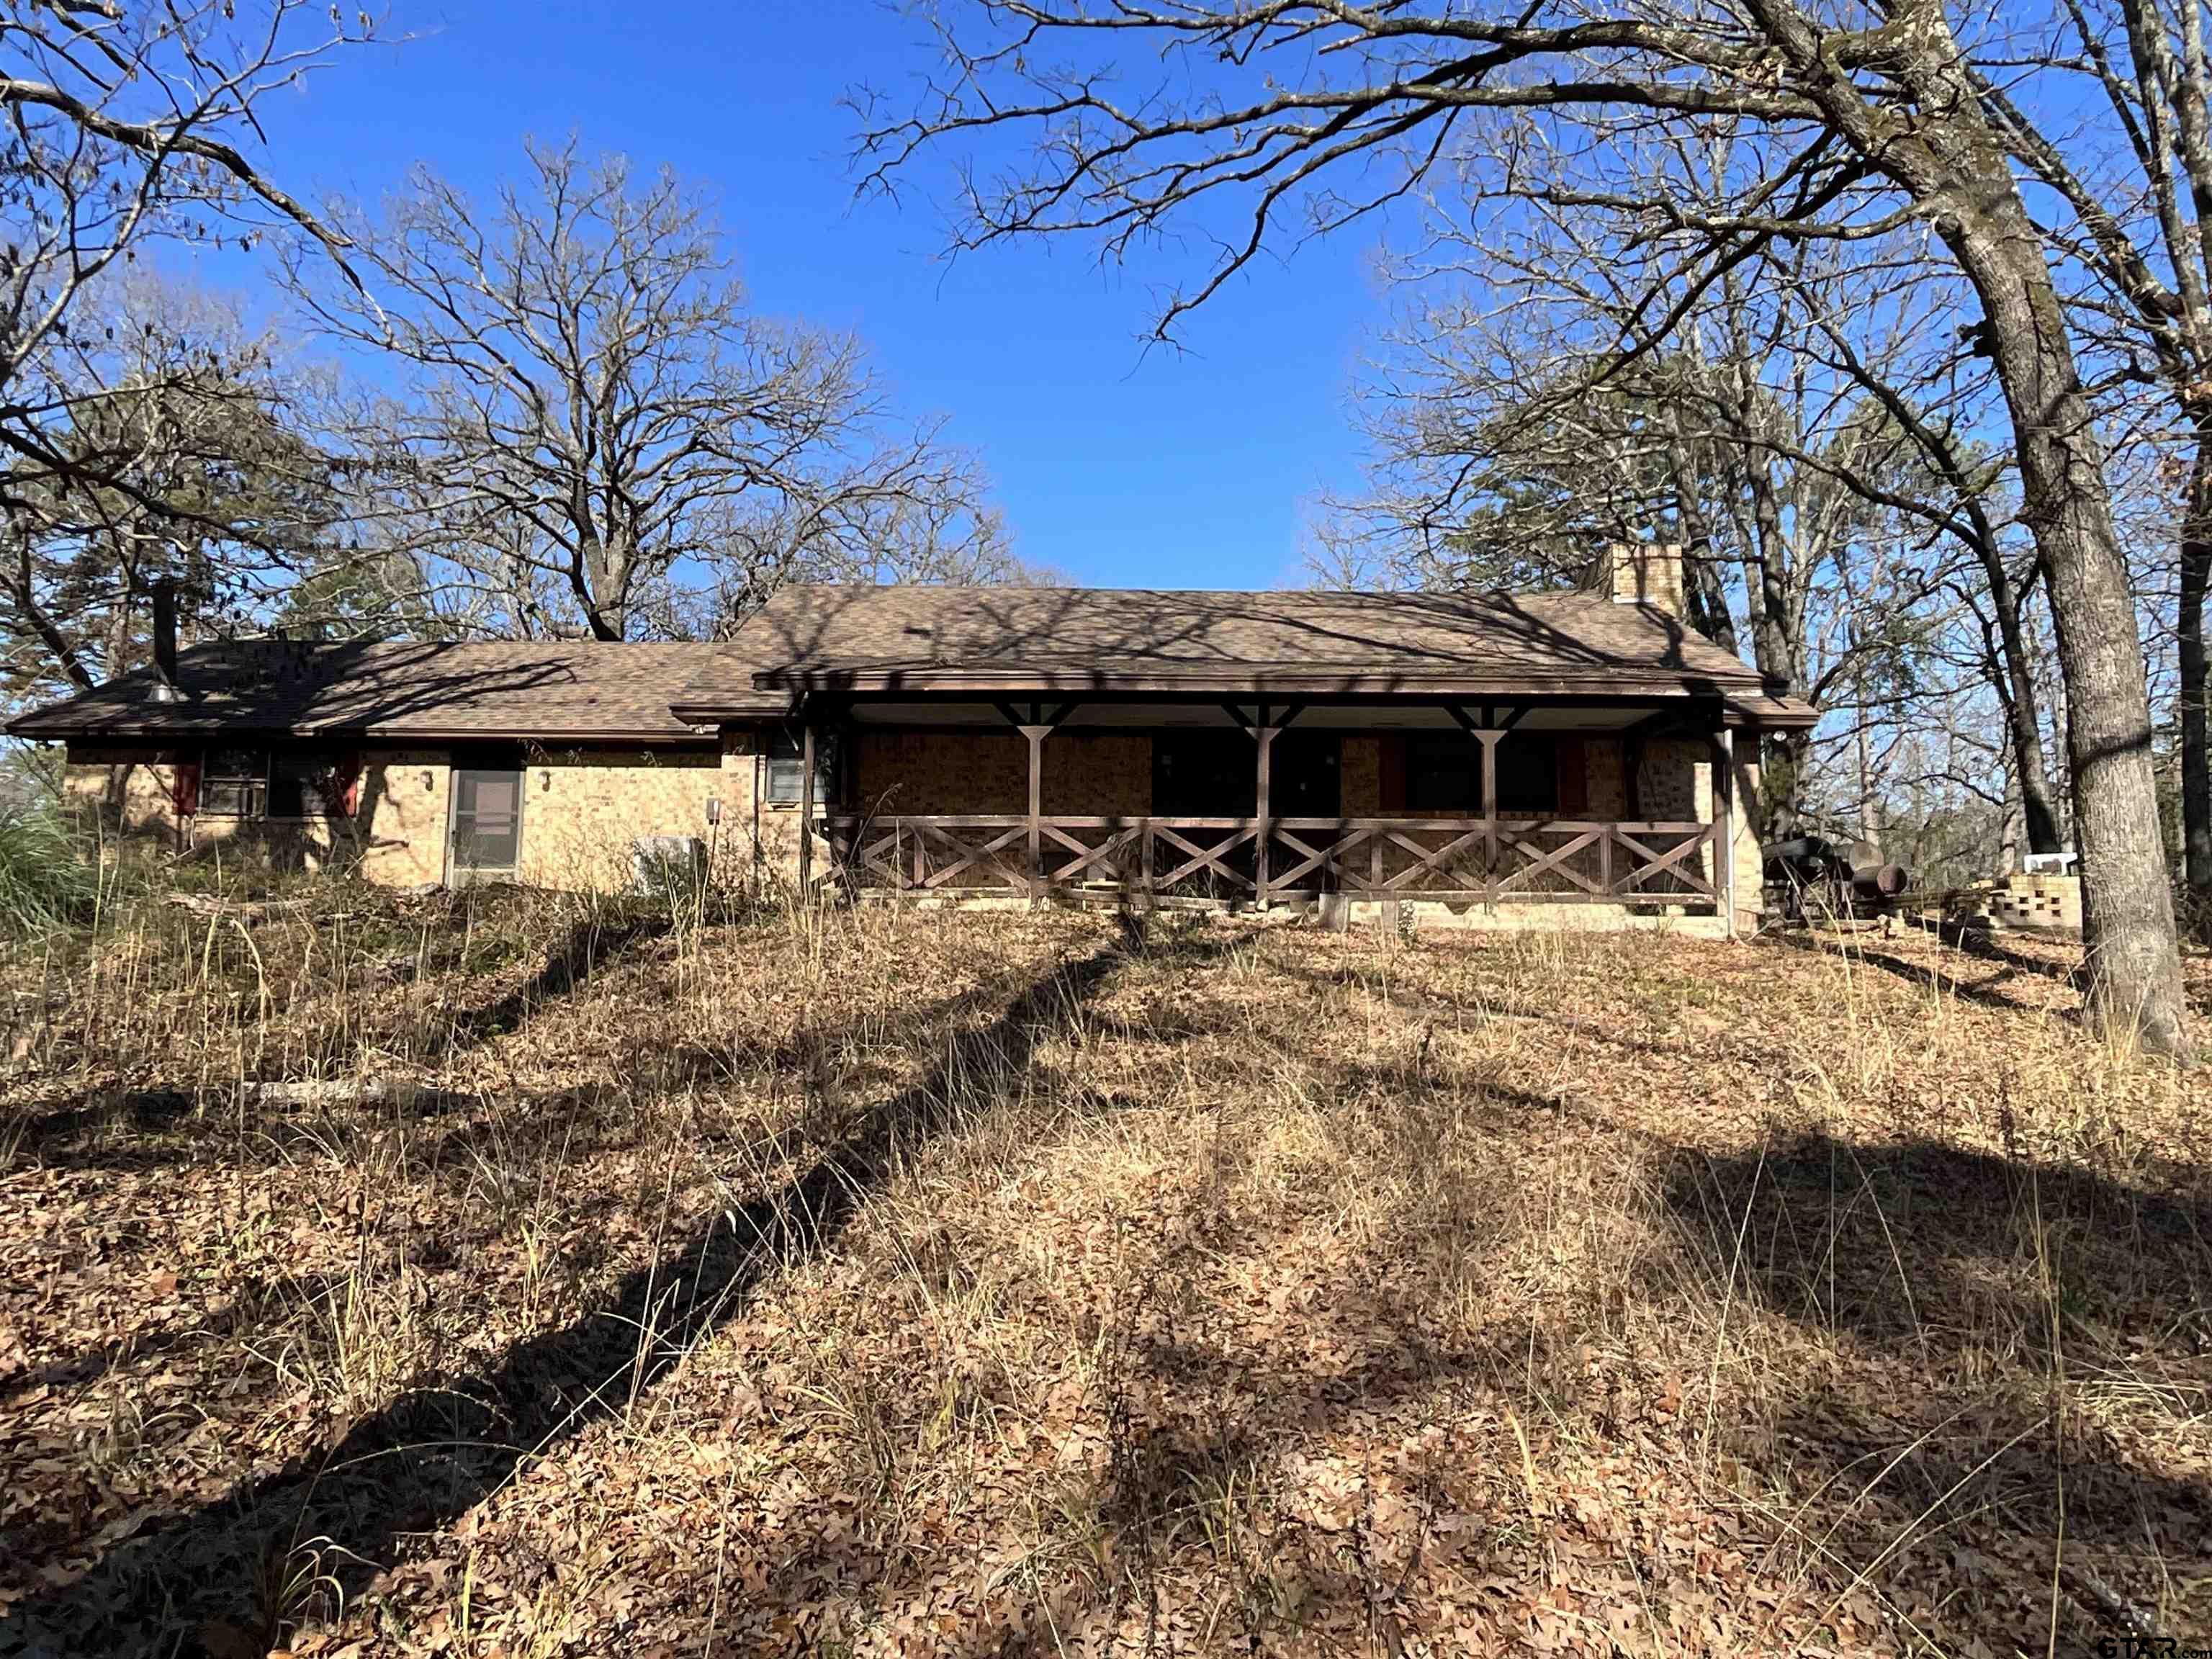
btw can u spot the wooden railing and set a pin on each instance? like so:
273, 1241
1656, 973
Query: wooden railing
1549, 860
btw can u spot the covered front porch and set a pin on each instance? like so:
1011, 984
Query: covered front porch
1628, 805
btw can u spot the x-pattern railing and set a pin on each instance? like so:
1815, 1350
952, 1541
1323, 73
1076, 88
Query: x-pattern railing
1517, 860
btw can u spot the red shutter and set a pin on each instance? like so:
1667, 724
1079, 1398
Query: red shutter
1574, 778
345, 785
1392, 781
184, 786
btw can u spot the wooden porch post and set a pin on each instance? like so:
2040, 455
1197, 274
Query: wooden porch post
1264, 736
1036, 735
1035, 730
1724, 825
805, 803
1487, 732
1488, 738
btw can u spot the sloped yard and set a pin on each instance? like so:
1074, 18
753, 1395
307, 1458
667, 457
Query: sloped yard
498, 1275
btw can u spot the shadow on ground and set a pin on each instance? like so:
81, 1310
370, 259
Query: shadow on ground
202, 1582
1975, 1280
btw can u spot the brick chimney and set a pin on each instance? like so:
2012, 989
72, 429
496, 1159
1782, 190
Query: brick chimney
1642, 573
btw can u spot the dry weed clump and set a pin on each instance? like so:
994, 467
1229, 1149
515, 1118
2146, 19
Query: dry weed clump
867, 1282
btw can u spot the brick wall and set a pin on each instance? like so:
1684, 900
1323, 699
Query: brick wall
927, 773
986, 772
400, 830
130, 787
583, 808
1603, 764
1359, 776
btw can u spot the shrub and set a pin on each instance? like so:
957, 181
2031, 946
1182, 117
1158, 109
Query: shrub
45, 881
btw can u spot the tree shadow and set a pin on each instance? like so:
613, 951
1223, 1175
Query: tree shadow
1982, 994
1977, 1281
1979, 940
203, 1579
141, 1129
590, 945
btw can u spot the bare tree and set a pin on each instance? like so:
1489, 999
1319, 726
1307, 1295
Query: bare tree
1850, 129
2129, 205
599, 434
124, 126
172, 450
137, 432
1806, 428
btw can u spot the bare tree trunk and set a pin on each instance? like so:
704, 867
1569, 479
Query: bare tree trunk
2023, 712
2196, 757
24, 593
1707, 600
2127, 927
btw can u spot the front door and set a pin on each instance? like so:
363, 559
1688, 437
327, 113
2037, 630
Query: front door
487, 824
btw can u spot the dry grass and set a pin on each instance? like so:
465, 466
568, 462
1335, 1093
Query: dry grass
874, 1282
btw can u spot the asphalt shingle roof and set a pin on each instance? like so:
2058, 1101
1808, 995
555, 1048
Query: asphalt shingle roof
984, 640
935, 638
581, 691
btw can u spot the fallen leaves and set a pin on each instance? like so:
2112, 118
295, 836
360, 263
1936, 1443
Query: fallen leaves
1288, 1292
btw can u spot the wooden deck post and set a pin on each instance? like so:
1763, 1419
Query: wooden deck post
1036, 729
1488, 739
1724, 825
1036, 735
1486, 730
807, 804
1264, 736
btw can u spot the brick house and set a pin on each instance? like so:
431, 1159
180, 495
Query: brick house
1577, 755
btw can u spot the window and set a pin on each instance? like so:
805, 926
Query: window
260, 783
1528, 777
1443, 773
786, 764
1205, 774
234, 783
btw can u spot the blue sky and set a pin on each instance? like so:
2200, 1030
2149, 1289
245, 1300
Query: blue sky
1113, 465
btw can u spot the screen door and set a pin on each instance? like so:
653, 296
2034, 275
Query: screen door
487, 822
